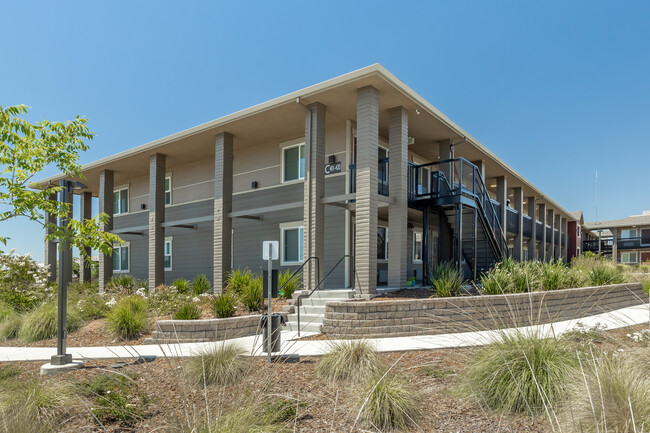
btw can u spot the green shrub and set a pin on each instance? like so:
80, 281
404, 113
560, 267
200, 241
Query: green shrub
220, 364
495, 282
348, 361
239, 280
41, 323
224, 304
554, 275
520, 372
281, 409
646, 287
289, 286
92, 307
79, 289
124, 284
388, 402
5, 311
447, 280
166, 300
611, 394
189, 311
23, 282
128, 318
253, 295
604, 275
200, 284
116, 397
38, 400
8, 371
10, 327
182, 285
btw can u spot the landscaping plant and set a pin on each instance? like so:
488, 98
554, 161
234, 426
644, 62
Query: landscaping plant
117, 397
220, 364
239, 280
182, 285
23, 282
41, 323
92, 306
128, 318
10, 326
350, 361
200, 284
289, 285
189, 311
447, 280
253, 295
224, 304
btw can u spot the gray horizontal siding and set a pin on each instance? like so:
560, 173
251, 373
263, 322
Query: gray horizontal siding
334, 247
127, 220
191, 252
289, 193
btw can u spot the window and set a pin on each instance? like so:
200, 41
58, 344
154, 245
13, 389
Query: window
168, 190
417, 247
294, 163
121, 258
292, 243
382, 243
628, 257
626, 234
121, 201
423, 181
168, 254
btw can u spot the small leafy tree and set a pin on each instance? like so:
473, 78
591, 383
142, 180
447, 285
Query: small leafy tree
26, 149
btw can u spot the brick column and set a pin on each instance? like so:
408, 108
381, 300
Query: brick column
398, 209
223, 155
106, 179
50, 246
565, 244
531, 204
156, 218
550, 247
615, 245
85, 207
518, 251
366, 196
502, 197
542, 244
313, 208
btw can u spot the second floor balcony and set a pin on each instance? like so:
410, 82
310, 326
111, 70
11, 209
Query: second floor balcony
382, 177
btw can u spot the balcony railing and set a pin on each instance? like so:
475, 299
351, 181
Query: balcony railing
382, 174
607, 244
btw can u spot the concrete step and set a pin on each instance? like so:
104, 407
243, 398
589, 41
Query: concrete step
312, 309
332, 294
305, 327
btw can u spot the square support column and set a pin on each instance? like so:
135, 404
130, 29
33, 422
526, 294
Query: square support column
446, 151
502, 197
85, 208
531, 204
565, 243
106, 179
557, 246
50, 246
480, 164
156, 219
542, 242
313, 207
366, 196
614, 244
222, 236
398, 209
518, 250
550, 247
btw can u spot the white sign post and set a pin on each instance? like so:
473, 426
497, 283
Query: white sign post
270, 252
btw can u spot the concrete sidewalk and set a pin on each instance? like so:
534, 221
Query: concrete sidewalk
612, 320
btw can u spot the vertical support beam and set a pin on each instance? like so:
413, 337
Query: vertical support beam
475, 247
480, 164
557, 247
565, 244
459, 237
518, 251
366, 196
615, 244
313, 208
542, 242
85, 206
550, 247
445, 149
398, 209
156, 218
65, 251
222, 235
426, 258
106, 179
50, 246
531, 204
349, 139
502, 197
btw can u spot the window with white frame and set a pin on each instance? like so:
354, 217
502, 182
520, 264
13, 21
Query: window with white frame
120, 201
417, 247
629, 257
293, 161
168, 253
382, 243
121, 258
626, 234
168, 190
291, 243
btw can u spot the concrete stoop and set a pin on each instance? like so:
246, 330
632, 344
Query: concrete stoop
312, 309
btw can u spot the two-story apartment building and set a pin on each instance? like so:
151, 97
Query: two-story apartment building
626, 240
359, 171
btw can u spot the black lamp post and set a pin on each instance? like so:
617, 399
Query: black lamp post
64, 276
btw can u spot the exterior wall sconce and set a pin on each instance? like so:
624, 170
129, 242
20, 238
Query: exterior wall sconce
254, 184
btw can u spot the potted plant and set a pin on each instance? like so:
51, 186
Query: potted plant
411, 282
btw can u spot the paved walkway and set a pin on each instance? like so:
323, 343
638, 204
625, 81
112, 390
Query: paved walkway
290, 346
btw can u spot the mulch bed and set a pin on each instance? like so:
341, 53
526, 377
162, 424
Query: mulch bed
403, 294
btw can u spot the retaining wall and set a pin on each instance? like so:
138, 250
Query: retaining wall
393, 318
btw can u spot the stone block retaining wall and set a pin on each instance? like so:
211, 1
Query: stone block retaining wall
189, 331
372, 319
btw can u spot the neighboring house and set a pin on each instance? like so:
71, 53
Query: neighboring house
626, 240
575, 230
358, 171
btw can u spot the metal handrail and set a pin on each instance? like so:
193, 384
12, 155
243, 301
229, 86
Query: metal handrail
300, 269
302, 295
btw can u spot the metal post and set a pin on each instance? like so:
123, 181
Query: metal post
474, 270
425, 247
269, 322
460, 236
61, 358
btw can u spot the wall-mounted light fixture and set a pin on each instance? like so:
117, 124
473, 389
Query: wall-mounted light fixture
254, 184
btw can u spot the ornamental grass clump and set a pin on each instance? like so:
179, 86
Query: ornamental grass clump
350, 361
219, 364
495, 282
200, 285
289, 285
182, 285
10, 326
521, 372
224, 304
41, 323
128, 318
125, 283
388, 402
188, 311
239, 280
603, 275
447, 280
554, 275
92, 307
253, 295
32, 406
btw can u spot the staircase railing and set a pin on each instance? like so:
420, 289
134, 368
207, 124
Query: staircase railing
302, 295
300, 270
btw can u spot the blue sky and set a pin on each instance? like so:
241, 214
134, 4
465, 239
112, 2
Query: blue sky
557, 89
